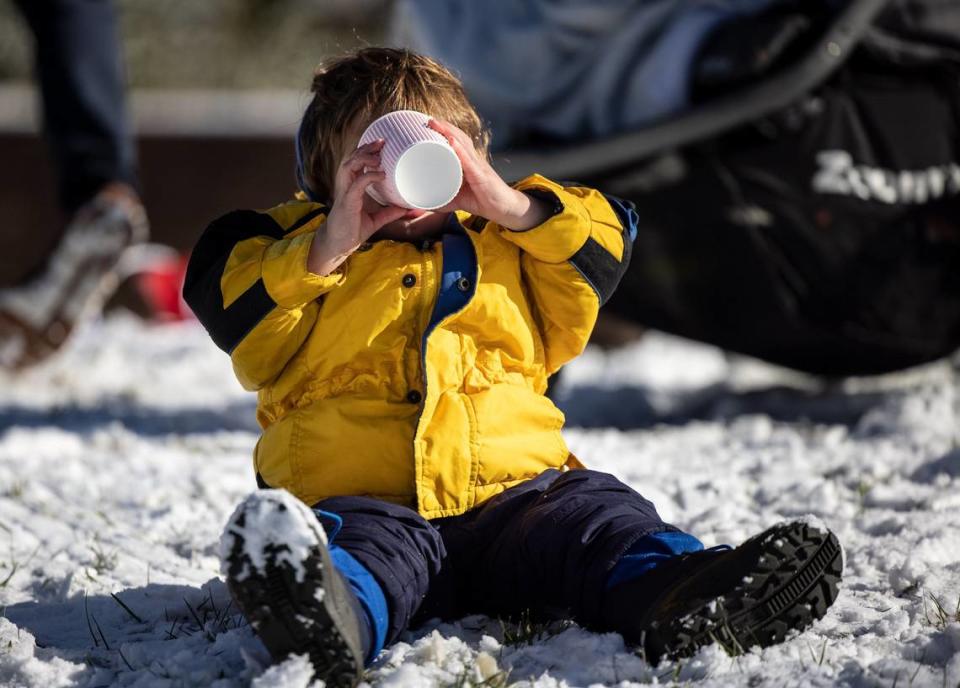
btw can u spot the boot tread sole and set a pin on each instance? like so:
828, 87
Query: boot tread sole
288, 617
793, 583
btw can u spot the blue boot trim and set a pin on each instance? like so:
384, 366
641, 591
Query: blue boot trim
649, 551
365, 587
368, 593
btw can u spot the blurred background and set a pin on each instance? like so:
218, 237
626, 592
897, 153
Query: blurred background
217, 89
819, 139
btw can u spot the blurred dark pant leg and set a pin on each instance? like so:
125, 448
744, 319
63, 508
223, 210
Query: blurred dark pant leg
79, 66
398, 546
546, 546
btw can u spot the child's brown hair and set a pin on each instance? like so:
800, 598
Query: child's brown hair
360, 87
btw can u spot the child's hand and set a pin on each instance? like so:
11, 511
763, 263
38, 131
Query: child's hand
483, 192
349, 223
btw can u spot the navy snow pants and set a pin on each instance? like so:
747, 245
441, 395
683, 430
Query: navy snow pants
545, 546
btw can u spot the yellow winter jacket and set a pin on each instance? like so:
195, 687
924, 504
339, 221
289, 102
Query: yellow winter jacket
363, 390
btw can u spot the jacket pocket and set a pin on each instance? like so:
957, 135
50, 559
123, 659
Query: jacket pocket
519, 434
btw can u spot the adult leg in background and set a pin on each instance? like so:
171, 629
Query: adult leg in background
80, 71
78, 64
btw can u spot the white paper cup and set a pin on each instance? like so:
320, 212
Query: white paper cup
422, 170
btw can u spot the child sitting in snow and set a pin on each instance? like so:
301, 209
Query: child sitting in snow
401, 359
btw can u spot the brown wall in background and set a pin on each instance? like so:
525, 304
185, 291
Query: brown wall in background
187, 182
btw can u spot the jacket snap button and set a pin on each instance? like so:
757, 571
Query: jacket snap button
414, 397
463, 284
409, 279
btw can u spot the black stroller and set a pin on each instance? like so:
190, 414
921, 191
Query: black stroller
809, 214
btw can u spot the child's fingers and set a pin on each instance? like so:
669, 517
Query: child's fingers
445, 130
363, 156
441, 126
374, 145
449, 131
358, 162
459, 141
364, 152
387, 215
354, 164
438, 125
360, 184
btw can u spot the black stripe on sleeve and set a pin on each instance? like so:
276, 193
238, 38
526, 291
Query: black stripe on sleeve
201, 288
242, 316
597, 265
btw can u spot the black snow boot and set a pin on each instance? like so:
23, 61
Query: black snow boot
776, 582
275, 558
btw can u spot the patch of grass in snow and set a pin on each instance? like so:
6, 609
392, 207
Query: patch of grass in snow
672, 674
92, 624
526, 630
913, 677
14, 564
103, 515
210, 619
206, 618
15, 490
823, 653
123, 605
469, 678
103, 560
863, 489
941, 616
14, 567
817, 657
724, 637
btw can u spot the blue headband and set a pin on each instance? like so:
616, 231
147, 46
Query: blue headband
301, 175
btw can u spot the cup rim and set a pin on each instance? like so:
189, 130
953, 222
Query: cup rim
446, 147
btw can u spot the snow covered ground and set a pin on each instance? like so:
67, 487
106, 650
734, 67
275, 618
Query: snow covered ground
120, 462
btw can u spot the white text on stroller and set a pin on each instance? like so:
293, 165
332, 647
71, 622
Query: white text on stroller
838, 175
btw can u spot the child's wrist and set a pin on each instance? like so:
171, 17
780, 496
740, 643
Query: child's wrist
524, 212
324, 257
